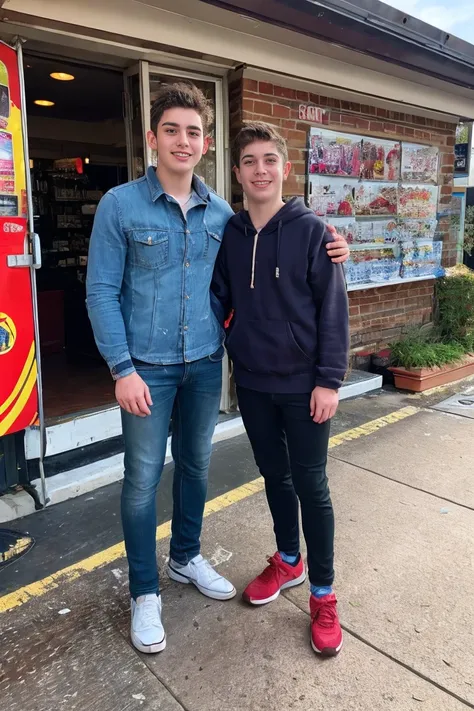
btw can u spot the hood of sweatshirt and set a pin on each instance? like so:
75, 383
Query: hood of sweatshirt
291, 211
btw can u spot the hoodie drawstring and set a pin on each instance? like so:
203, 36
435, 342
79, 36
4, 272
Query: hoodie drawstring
277, 270
254, 254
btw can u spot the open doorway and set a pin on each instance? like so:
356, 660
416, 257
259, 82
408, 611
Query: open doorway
77, 145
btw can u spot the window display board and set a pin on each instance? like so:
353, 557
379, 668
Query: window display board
383, 197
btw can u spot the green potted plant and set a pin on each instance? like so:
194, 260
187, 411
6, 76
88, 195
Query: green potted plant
468, 245
422, 359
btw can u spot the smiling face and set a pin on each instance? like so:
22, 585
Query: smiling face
261, 171
179, 141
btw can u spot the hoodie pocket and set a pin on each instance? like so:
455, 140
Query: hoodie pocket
267, 347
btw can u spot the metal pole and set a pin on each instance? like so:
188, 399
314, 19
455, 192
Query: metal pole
32, 237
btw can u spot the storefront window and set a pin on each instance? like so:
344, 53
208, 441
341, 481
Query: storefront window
206, 169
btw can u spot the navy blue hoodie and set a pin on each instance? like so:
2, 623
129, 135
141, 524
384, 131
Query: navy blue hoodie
290, 330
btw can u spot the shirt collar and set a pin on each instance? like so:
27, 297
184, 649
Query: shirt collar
156, 189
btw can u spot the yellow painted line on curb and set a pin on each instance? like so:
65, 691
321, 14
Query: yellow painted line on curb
108, 555
372, 426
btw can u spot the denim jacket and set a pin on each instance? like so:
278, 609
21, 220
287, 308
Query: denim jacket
149, 275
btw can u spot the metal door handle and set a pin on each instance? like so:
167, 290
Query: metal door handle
27, 260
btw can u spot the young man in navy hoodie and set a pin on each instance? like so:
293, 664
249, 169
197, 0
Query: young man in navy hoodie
289, 342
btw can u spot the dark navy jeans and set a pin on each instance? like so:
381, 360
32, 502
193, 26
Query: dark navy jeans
189, 394
291, 452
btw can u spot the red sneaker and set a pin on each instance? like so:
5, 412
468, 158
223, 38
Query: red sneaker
277, 576
326, 633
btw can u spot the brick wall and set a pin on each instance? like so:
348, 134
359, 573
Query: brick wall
377, 315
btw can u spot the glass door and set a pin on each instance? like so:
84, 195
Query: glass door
136, 103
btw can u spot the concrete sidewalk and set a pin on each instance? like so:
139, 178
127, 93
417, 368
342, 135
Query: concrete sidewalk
404, 502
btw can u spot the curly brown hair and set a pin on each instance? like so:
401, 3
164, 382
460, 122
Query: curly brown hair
181, 95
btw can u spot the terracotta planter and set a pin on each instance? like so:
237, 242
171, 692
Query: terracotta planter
418, 380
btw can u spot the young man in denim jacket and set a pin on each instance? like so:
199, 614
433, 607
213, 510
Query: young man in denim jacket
151, 260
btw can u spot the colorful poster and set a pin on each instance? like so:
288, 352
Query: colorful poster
332, 153
7, 167
419, 163
421, 258
416, 229
376, 199
18, 388
373, 264
418, 201
332, 196
366, 231
380, 160
346, 226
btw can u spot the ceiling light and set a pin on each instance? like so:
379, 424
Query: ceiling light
62, 76
44, 102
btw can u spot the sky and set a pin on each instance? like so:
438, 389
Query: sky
453, 16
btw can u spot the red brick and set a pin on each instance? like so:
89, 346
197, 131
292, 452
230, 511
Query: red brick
409, 131
280, 111
314, 98
302, 95
295, 154
296, 136
362, 124
348, 120
382, 113
288, 123
299, 168
354, 311
447, 159
451, 141
390, 128
265, 88
263, 107
247, 105
284, 91
376, 126
250, 84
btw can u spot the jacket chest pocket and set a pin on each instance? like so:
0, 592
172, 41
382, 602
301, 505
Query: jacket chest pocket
212, 245
150, 248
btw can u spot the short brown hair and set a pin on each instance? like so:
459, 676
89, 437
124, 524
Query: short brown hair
257, 131
181, 95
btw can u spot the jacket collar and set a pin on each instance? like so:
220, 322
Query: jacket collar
156, 189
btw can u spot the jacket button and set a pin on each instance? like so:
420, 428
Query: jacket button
185, 328
187, 264
188, 232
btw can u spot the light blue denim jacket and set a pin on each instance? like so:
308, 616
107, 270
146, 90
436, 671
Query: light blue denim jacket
149, 274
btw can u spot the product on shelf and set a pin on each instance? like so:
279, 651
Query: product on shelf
380, 159
418, 201
421, 258
419, 163
334, 153
373, 263
332, 197
376, 199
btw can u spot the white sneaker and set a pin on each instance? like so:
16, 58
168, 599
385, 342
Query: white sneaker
146, 630
201, 573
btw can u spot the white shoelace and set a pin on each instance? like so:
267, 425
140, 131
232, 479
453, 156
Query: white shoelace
147, 614
206, 568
